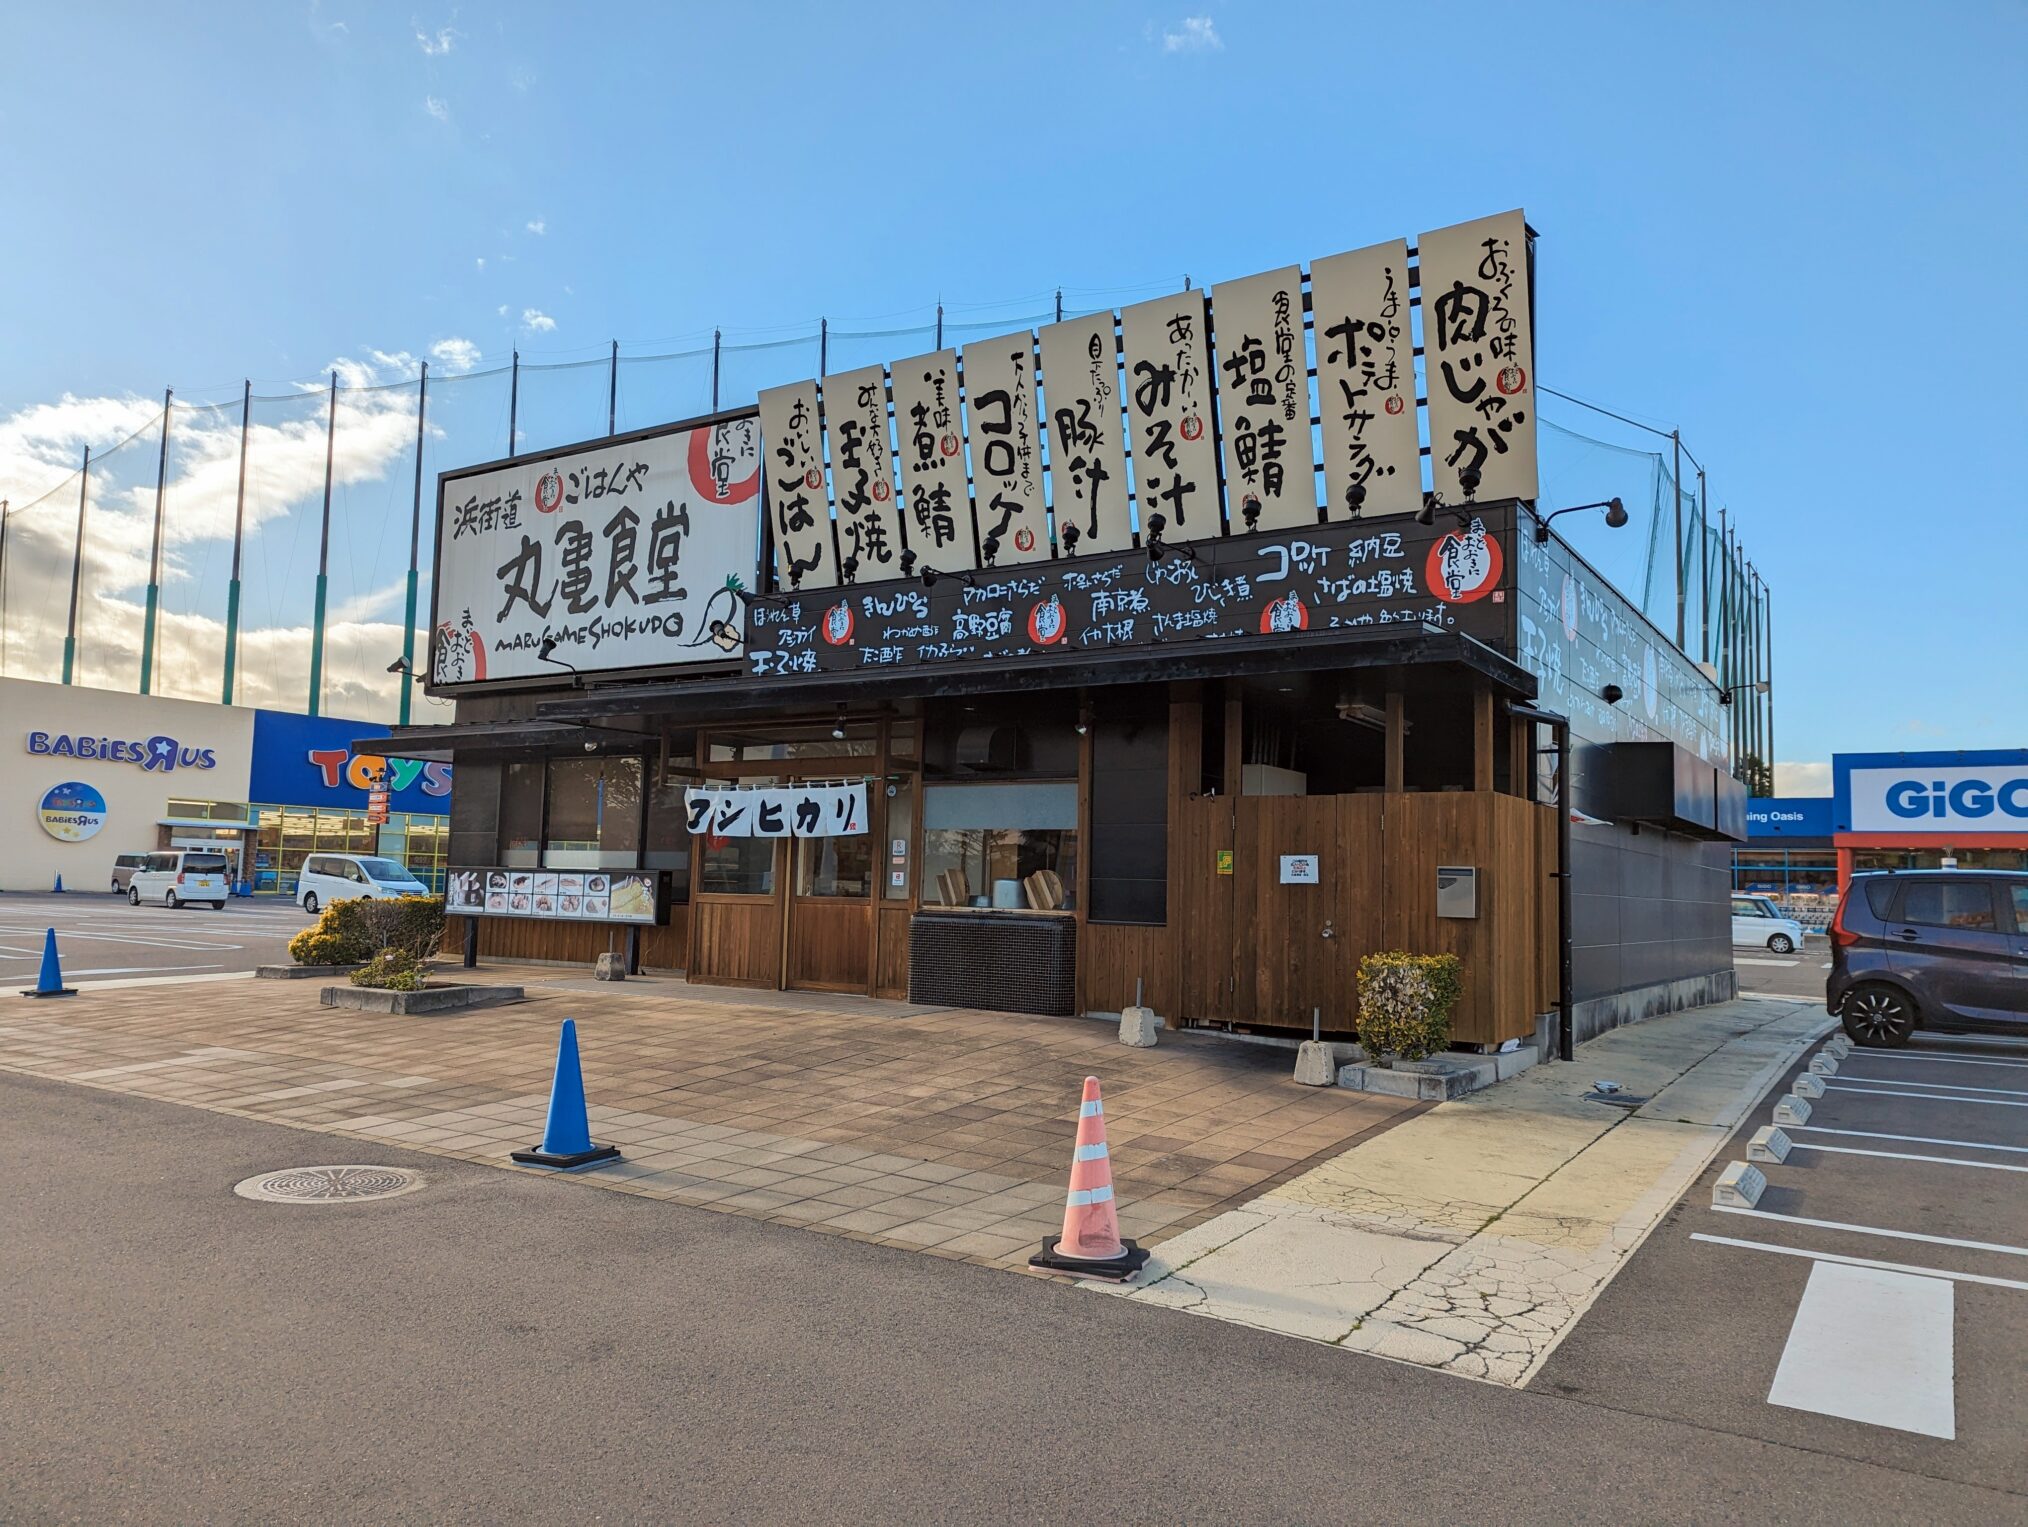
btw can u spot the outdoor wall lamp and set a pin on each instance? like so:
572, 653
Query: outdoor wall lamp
1071, 536
930, 575
1612, 694
1157, 548
544, 654
400, 665
838, 726
1431, 503
1758, 686
1616, 516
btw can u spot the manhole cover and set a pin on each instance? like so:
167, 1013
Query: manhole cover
329, 1184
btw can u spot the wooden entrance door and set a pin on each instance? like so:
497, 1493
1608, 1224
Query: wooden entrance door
1290, 938
736, 938
830, 937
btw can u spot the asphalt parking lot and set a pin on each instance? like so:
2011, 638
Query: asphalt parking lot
1873, 1304
101, 938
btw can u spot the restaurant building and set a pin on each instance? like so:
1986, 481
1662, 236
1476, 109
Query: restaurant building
91, 774
1067, 670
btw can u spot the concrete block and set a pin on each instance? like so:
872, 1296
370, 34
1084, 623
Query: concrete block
1138, 1026
1508, 1063
1433, 1080
1807, 1086
1739, 1186
431, 999
1839, 1045
1768, 1144
611, 967
1316, 1066
1823, 1063
1792, 1111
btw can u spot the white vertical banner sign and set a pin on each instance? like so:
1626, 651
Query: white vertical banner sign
1169, 401
1087, 452
1479, 351
1006, 451
1264, 402
870, 536
1366, 382
932, 450
799, 511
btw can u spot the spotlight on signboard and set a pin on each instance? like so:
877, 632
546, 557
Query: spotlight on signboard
1612, 694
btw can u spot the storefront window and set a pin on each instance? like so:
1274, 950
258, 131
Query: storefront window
861, 740
899, 875
669, 836
206, 811
737, 866
1010, 847
521, 814
834, 866
594, 814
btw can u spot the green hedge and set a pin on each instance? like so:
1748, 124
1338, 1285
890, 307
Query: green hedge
1406, 1002
357, 929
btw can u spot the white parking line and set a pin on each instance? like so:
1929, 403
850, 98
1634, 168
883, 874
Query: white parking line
134, 970
1749, 960
1869, 1134
1940, 1060
1934, 1097
1832, 1256
1943, 1087
1873, 1346
1853, 1150
1893, 1235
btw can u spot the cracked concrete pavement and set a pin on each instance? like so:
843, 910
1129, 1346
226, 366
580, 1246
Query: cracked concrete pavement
1470, 1238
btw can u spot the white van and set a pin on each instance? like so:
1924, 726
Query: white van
177, 875
338, 877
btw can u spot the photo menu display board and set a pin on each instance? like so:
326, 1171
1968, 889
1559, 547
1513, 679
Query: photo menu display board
598, 896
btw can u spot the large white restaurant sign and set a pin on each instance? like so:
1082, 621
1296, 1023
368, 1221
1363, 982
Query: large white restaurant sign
1200, 411
618, 552
1479, 349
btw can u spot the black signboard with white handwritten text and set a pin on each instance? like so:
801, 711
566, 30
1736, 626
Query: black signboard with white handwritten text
1451, 576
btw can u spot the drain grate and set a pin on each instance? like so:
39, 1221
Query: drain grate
329, 1184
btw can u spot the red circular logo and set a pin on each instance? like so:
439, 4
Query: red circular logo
880, 490
814, 480
1511, 379
1192, 427
1024, 539
948, 445
713, 464
838, 624
1047, 622
1394, 405
1464, 565
1287, 613
548, 492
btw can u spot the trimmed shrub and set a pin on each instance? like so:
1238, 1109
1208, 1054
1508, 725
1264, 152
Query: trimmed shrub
356, 929
1406, 1002
391, 970
339, 936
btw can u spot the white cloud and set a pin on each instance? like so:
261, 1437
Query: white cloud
439, 109
455, 354
537, 321
538, 225
437, 44
501, 310
1802, 778
1196, 35
480, 261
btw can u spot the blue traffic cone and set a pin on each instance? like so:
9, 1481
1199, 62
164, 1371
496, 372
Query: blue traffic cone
566, 1138
51, 982
59, 887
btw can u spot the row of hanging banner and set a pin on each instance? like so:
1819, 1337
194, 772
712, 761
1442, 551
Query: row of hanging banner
1194, 390
794, 811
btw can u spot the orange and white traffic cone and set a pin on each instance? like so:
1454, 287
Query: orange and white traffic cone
1090, 1246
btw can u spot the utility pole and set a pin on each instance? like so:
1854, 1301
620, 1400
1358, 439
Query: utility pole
154, 609
323, 558
76, 569
513, 403
1676, 492
238, 541
422, 403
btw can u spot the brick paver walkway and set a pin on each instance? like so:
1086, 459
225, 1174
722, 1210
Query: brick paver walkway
942, 1130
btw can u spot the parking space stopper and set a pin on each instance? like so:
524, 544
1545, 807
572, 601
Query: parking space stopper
1739, 1186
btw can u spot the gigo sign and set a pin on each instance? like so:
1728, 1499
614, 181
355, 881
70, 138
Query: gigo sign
1964, 797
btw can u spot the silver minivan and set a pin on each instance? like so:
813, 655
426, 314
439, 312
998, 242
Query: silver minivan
124, 866
326, 878
179, 875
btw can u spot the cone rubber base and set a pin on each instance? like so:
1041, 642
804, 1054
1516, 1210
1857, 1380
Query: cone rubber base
1117, 1269
540, 1157
61, 991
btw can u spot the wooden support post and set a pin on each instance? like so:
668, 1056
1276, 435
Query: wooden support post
1235, 740
1482, 739
1397, 734
1520, 757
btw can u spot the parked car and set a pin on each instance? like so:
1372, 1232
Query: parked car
124, 866
179, 875
326, 878
1931, 949
1758, 923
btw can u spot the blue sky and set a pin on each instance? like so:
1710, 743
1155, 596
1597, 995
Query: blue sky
1796, 232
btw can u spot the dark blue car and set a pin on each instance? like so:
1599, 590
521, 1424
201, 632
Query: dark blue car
1930, 949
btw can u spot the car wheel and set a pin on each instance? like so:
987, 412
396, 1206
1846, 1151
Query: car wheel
310, 902
134, 896
218, 906
116, 887
171, 900
1878, 1016
1781, 943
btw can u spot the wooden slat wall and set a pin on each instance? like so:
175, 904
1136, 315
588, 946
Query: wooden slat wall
738, 942
515, 938
1113, 955
667, 948
831, 944
890, 972
1200, 900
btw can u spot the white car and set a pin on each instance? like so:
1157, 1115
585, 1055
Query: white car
342, 877
1758, 924
178, 875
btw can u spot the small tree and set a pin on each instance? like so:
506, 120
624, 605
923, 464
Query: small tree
1405, 1003
401, 935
